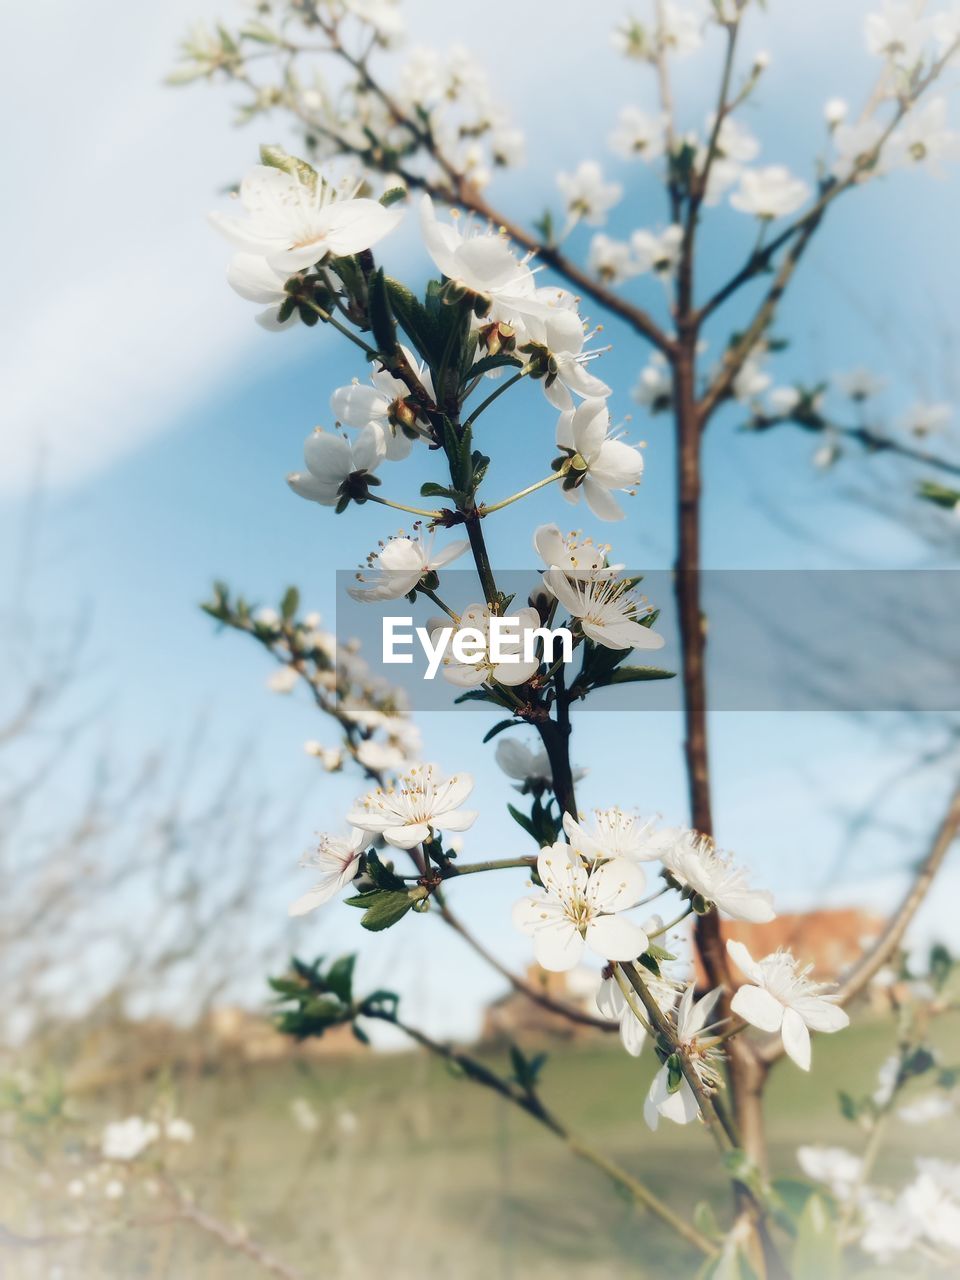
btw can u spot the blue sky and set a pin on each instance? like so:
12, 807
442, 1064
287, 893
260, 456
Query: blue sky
163, 421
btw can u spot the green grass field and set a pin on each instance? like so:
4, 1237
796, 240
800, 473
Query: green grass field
441, 1178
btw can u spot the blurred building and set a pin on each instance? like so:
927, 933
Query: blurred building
514, 1016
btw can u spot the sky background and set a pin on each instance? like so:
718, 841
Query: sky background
149, 423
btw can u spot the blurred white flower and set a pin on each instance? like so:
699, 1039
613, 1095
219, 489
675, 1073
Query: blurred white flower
769, 193
530, 766
293, 223
127, 1139
605, 463
581, 908
859, 383
333, 462
945, 27
383, 16
283, 680
380, 757
113, 1190
331, 758
587, 194
887, 1078
931, 1106
835, 111
751, 380
835, 1167
638, 134
337, 858
923, 419
654, 387
658, 252
781, 401
304, 1115
681, 28
420, 802
855, 148
899, 32
781, 997
923, 138
177, 1129
610, 259
607, 609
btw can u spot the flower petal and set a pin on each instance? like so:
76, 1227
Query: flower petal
616, 938
758, 1007
616, 885
796, 1038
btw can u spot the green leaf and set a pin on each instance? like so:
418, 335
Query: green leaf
290, 603
381, 316
382, 908
382, 876
630, 675
816, 1254
674, 1073
498, 728
339, 978
432, 490
393, 196
415, 320
522, 820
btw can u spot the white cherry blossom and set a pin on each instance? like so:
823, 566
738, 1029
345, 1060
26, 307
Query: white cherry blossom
293, 223
572, 554
530, 766
561, 333
337, 859
481, 262
512, 670
692, 1030
581, 907
681, 28
253, 278
401, 563
699, 867
929, 1107
612, 834
607, 609
385, 403
420, 802
769, 193
781, 997
605, 463
332, 461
